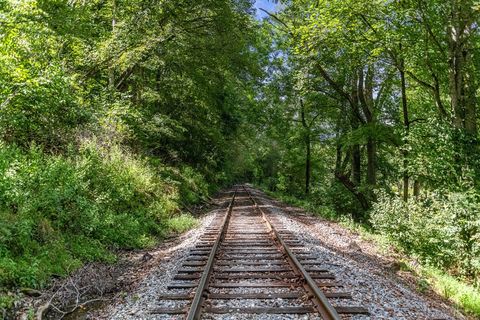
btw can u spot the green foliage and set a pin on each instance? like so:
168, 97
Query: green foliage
181, 223
462, 294
431, 240
6, 301
116, 114
442, 157
60, 211
381, 134
310, 205
371, 93
113, 116
443, 231
39, 100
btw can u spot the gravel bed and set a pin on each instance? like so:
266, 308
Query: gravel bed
254, 290
238, 303
138, 305
238, 316
384, 296
384, 299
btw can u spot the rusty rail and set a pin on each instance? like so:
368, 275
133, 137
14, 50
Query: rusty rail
248, 249
197, 303
326, 310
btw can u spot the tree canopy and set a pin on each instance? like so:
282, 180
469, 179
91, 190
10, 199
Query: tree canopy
370, 111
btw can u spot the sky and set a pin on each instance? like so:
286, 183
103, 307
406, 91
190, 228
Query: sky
268, 5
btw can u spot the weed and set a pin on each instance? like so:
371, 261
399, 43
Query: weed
422, 285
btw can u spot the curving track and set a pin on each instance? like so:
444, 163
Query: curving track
246, 263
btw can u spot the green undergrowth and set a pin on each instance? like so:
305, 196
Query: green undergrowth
181, 223
58, 212
466, 296
462, 292
318, 209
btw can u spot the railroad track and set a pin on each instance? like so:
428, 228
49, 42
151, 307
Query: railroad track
247, 263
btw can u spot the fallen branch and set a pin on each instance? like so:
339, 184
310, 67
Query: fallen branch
188, 209
83, 305
85, 286
42, 309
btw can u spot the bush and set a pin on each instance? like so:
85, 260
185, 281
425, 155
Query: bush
57, 212
442, 230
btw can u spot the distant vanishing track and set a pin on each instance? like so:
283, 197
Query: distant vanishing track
249, 258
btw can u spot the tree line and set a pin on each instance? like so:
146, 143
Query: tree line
370, 111
118, 115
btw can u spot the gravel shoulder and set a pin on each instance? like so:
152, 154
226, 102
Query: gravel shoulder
373, 277
359, 265
150, 278
138, 303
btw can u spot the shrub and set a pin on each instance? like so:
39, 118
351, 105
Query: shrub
58, 211
442, 230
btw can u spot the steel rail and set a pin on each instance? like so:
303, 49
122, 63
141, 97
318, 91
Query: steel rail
326, 310
197, 303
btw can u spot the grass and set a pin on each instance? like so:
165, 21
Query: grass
182, 223
58, 212
464, 295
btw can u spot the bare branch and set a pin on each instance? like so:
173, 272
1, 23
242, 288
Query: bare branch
276, 18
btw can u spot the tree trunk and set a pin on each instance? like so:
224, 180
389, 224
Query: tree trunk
356, 155
406, 127
416, 188
307, 164
307, 140
471, 107
353, 189
365, 90
455, 78
371, 162
111, 70
462, 81
406, 181
338, 158
338, 161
